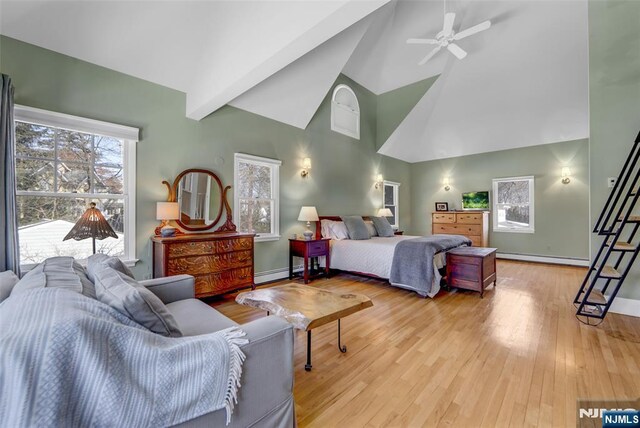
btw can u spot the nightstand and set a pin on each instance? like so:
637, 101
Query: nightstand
398, 232
309, 251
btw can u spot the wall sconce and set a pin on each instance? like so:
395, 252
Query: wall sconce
566, 175
379, 181
306, 166
446, 184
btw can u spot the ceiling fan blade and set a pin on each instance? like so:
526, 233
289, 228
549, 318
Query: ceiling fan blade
456, 50
472, 30
448, 23
429, 55
422, 41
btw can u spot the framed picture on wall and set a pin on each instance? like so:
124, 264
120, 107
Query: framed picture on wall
442, 206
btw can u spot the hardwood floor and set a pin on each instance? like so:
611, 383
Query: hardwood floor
518, 357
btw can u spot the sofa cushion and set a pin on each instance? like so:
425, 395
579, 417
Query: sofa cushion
195, 317
128, 297
8, 280
59, 272
97, 260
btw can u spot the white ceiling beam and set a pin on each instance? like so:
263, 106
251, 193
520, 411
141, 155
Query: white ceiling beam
227, 72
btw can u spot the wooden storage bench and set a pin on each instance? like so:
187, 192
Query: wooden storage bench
471, 268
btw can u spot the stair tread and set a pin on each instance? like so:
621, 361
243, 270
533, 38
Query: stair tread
609, 272
622, 246
632, 218
597, 297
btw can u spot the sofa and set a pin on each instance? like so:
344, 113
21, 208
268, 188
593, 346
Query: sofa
265, 397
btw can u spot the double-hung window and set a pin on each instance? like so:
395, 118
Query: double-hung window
63, 163
257, 196
390, 196
513, 205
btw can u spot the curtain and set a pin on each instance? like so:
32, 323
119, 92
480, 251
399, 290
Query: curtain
9, 250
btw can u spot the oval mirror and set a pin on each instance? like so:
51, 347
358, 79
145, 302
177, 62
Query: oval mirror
199, 195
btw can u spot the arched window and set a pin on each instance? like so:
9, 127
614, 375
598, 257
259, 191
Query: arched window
345, 112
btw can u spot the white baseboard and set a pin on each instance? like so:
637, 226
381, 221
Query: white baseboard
625, 306
544, 259
273, 275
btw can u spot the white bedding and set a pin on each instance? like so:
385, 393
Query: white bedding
374, 257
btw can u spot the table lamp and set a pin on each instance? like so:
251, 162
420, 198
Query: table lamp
166, 211
385, 212
308, 214
91, 224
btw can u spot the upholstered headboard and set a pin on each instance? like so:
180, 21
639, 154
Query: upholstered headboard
333, 218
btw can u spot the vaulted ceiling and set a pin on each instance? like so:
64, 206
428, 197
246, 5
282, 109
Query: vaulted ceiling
523, 83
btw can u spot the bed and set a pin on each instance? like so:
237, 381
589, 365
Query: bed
376, 256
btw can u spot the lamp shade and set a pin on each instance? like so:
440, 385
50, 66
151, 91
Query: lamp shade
167, 211
385, 212
91, 224
308, 214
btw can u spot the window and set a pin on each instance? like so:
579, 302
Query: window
62, 164
257, 196
390, 196
513, 209
345, 112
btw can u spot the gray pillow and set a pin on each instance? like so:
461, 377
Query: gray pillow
59, 272
356, 227
382, 226
96, 260
133, 300
7, 281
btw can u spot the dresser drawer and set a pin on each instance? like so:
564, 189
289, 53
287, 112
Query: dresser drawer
217, 283
233, 244
197, 265
458, 229
469, 218
443, 218
181, 249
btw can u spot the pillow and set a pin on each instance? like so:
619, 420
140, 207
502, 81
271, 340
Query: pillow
133, 300
382, 226
96, 260
338, 231
7, 280
60, 272
371, 228
356, 227
325, 228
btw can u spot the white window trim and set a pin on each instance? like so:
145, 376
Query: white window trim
353, 110
397, 205
130, 136
274, 164
531, 228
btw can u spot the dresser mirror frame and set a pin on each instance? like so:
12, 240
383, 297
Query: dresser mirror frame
228, 226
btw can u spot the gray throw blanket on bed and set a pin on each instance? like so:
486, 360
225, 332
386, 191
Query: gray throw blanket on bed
412, 265
67, 360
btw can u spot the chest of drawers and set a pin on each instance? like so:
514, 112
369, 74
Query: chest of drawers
472, 224
220, 262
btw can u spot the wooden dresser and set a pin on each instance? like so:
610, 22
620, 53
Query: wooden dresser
472, 224
220, 262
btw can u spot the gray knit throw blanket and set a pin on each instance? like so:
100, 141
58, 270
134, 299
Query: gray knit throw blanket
69, 360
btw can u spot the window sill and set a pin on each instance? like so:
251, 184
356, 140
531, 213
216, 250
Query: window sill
266, 238
83, 262
515, 230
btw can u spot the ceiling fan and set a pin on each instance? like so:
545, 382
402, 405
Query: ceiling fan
447, 37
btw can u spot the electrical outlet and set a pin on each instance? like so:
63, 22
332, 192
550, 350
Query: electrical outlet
611, 181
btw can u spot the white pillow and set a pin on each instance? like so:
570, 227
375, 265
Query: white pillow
371, 228
338, 230
7, 280
325, 226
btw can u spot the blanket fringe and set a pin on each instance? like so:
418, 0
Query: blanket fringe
234, 336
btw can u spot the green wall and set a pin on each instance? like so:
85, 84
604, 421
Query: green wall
614, 101
341, 181
561, 221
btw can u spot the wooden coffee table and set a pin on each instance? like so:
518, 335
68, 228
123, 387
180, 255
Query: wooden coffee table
306, 307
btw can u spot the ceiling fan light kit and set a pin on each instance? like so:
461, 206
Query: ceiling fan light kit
447, 37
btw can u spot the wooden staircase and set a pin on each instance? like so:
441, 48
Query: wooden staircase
618, 226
